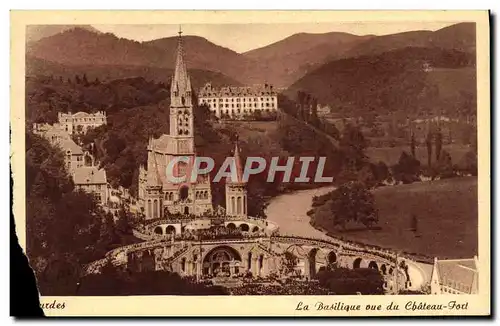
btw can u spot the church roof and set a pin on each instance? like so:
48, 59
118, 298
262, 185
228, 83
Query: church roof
459, 274
67, 144
87, 175
235, 91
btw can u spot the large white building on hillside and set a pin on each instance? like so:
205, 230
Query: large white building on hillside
80, 122
238, 101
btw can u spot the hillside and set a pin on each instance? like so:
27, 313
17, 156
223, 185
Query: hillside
285, 61
446, 211
37, 32
393, 82
80, 47
460, 37
291, 58
40, 67
202, 54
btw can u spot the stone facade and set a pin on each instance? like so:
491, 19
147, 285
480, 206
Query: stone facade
238, 101
80, 122
161, 195
92, 180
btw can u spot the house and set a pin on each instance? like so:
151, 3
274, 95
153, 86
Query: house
455, 276
93, 180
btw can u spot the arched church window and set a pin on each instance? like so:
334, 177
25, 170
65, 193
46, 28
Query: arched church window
183, 100
232, 205
155, 209
183, 193
150, 208
238, 205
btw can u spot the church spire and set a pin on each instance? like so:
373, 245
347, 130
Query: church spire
237, 162
181, 84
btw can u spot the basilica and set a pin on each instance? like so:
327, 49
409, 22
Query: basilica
160, 197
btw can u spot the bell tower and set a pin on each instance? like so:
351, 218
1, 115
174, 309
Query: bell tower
236, 192
181, 105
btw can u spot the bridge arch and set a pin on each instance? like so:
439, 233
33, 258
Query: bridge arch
331, 258
383, 269
158, 230
170, 229
244, 227
231, 226
373, 265
311, 259
222, 260
357, 263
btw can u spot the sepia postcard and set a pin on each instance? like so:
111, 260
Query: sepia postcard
253, 163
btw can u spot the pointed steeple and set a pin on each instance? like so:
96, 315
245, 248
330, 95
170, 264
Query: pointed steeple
180, 88
237, 161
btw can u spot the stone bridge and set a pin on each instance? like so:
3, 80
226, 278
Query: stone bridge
261, 256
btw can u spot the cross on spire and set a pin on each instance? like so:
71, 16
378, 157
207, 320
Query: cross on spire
180, 30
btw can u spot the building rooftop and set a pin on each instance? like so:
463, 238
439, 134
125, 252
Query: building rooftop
68, 144
255, 90
87, 175
460, 274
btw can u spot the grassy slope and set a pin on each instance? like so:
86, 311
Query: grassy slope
447, 218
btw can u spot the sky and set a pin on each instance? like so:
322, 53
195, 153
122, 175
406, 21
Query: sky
245, 37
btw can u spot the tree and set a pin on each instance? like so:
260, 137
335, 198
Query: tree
439, 144
352, 202
84, 80
445, 166
468, 163
63, 225
344, 281
353, 144
414, 223
428, 143
407, 169
289, 262
382, 172
412, 144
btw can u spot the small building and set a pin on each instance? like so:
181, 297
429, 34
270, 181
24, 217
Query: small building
93, 180
81, 122
455, 276
238, 102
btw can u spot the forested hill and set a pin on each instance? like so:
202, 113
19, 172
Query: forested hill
40, 67
394, 81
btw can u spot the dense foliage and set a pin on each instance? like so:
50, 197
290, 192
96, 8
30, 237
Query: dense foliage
113, 282
344, 281
64, 226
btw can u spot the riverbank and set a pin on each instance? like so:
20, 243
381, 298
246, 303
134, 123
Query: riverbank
446, 214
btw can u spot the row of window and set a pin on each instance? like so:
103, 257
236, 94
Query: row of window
238, 205
238, 111
169, 196
237, 105
73, 120
256, 99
